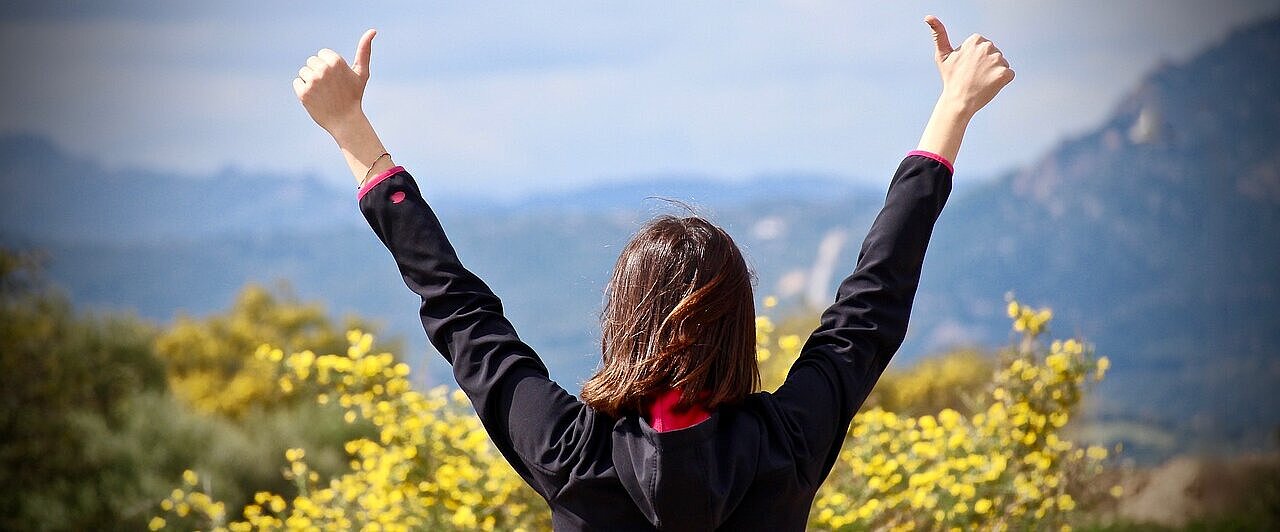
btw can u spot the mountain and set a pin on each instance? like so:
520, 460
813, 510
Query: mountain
161, 244
1156, 236
48, 194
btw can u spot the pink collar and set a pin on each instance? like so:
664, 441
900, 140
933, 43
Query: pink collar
664, 417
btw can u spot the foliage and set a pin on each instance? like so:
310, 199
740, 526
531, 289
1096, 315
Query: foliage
429, 466
954, 379
57, 366
210, 363
91, 436
1006, 466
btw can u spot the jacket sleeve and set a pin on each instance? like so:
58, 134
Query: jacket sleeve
533, 421
861, 331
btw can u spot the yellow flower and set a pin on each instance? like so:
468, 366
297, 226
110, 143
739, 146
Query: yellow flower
1066, 503
277, 504
1057, 362
1103, 364
928, 422
982, 506
464, 517
156, 523
189, 477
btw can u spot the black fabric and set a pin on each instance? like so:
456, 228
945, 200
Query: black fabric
751, 466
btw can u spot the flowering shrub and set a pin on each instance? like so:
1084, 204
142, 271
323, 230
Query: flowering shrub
432, 466
209, 362
1007, 466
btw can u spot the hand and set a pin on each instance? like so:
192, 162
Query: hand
331, 91
971, 74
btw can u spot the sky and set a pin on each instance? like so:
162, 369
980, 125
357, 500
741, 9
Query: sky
507, 100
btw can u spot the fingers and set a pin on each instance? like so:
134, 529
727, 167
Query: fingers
330, 57
363, 50
299, 87
940, 40
316, 64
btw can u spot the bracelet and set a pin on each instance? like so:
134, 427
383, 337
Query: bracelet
371, 165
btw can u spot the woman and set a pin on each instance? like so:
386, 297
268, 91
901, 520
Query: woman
670, 433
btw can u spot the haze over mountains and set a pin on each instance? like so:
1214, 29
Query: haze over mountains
1156, 236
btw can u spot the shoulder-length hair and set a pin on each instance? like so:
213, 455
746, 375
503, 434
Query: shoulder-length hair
679, 313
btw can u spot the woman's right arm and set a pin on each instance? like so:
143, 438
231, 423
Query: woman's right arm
861, 331
532, 420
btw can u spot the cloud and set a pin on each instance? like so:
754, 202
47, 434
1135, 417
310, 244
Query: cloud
552, 95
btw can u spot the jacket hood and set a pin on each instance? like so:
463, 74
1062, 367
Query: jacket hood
686, 479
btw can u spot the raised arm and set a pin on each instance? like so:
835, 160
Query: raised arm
861, 331
971, 77
333, 94
531, 419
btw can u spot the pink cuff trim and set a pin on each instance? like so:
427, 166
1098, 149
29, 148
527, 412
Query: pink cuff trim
933, 156
373, 182
665, 418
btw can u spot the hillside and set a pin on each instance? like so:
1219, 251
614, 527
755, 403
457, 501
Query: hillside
162, 245
1157, 236
47, 194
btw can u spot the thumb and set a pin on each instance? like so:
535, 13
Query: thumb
940, 39
361, 64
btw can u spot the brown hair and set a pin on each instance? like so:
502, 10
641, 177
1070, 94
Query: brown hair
679, 313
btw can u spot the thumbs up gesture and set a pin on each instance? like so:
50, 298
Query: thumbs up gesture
972, 74
330, 90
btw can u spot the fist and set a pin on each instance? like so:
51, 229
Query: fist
972, 74
330, 90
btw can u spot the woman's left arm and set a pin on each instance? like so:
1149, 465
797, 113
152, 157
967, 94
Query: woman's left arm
530, 418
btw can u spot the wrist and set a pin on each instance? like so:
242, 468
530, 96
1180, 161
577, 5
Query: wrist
346, 128
954, 107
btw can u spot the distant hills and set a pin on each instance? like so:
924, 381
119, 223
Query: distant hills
49, 195
1156, 236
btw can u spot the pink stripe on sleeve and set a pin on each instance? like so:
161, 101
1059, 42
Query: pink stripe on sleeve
373, 181
933, 156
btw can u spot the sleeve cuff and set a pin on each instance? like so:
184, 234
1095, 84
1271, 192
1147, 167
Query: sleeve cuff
373, 181
933, 156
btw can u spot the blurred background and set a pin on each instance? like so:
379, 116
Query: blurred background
166, 205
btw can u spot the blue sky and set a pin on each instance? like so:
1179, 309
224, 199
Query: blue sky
487, 99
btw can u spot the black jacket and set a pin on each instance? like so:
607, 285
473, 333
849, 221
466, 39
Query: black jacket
751, 466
